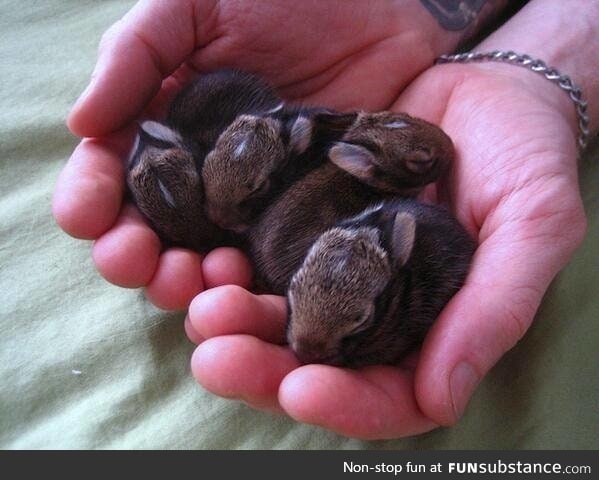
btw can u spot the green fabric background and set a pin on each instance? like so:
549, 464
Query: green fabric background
134, 389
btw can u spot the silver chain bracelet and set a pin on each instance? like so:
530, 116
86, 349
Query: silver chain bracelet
550, 73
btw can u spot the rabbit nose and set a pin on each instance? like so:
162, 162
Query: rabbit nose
421, 161
310, 351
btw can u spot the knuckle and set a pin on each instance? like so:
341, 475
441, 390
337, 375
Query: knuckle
232, 294
578, 226
109, 36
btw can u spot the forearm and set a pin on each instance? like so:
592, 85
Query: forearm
563, 35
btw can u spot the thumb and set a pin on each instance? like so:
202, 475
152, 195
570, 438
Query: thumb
511, 270
135, 54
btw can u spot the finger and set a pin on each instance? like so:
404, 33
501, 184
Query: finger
227, 266
231, 310
89, 191
243, 367
135, 55
192, 335
176, 280
127, 255
372, 403
511, 271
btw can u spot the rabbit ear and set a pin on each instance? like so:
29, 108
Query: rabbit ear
404, 235
354, 159
159, 135
300, 135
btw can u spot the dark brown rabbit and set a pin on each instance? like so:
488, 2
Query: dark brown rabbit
167, 188
203, 109
371, 286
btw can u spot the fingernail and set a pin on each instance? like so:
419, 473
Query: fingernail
191, 333
462, 382
88, 89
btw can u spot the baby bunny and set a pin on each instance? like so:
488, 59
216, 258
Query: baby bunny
370, 287
203, 109
258, 157
381, 156
167, 188
393, 152
164, 170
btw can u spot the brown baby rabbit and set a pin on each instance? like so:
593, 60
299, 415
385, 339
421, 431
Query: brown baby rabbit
371, 286
393, 152
381, 156
258, 157
167, 188
163, 173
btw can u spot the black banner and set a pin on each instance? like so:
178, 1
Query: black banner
308, 464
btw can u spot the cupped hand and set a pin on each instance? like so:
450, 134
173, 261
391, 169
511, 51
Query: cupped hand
333, 53
514, 186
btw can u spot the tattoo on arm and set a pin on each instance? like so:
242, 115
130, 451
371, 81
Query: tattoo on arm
454, 15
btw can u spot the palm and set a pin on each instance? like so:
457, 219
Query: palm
311, 49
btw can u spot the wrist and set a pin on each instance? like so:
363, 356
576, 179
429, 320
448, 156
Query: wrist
512, 74
562, 35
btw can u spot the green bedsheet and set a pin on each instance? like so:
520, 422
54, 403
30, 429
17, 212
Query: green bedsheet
84, 364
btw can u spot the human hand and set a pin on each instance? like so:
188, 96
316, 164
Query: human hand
146, 57
514, 187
